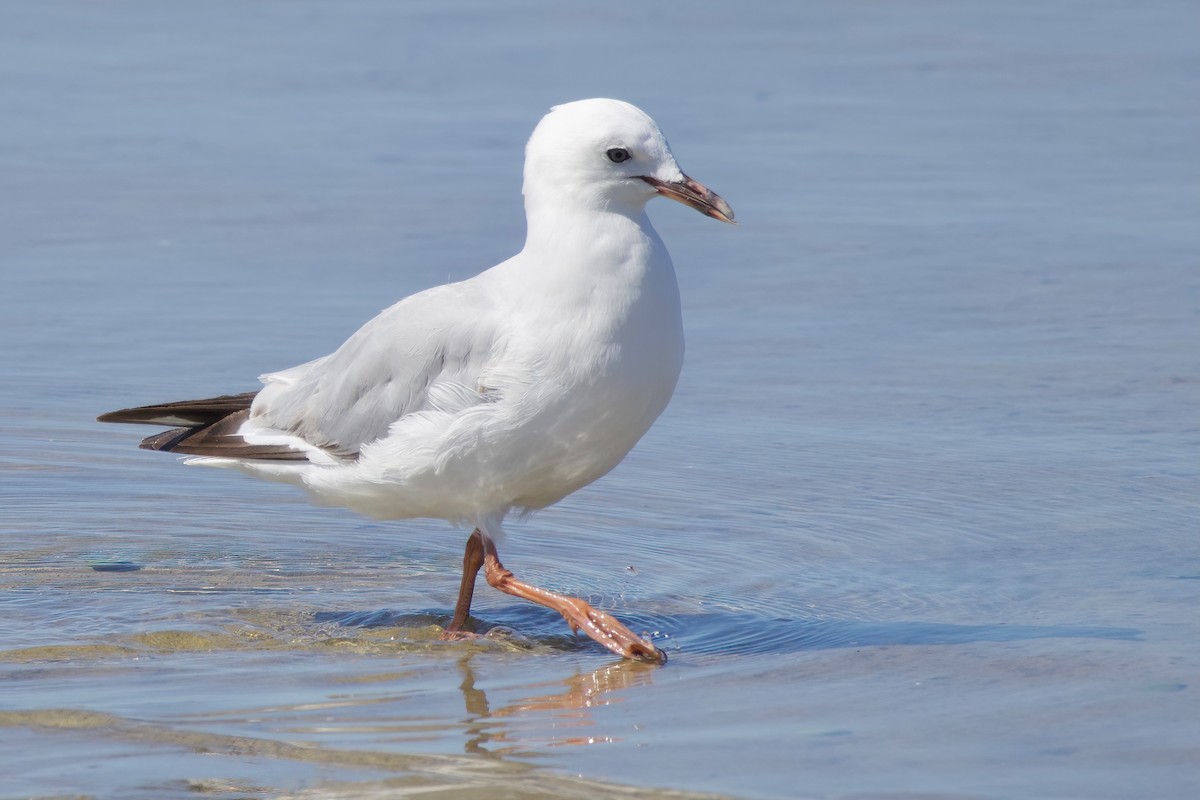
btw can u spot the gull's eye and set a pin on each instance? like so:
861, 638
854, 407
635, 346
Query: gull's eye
618, 155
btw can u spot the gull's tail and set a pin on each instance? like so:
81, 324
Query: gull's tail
209, 427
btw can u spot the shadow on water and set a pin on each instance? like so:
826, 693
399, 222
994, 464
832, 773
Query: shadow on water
734, 633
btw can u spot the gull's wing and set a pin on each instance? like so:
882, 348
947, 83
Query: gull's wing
210, 425
425, 353
186, 412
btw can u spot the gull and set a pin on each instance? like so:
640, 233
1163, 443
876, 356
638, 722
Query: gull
499, 394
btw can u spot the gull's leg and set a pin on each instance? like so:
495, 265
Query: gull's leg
472, 561
602, 627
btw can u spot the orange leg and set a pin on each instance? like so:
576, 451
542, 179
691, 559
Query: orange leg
602, 627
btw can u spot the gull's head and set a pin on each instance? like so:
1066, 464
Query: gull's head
608, 155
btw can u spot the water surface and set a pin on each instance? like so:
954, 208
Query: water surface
921, 520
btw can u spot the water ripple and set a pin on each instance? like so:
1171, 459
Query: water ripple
751, 634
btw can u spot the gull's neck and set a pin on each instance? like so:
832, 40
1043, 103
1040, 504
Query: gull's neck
598, 259
564, 231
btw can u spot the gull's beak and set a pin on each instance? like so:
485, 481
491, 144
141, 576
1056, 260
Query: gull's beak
694, 194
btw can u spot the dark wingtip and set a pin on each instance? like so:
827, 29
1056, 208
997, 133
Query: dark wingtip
208, 427
187, 412
167, 439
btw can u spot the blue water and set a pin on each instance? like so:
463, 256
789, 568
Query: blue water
923, 519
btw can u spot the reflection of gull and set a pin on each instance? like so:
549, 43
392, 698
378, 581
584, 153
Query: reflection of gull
569, 701
507, 391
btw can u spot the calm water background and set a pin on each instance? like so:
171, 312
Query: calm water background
922, 519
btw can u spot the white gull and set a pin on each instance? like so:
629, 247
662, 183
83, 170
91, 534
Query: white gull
501, 393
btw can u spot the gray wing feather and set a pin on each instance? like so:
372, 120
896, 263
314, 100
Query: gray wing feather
386, 370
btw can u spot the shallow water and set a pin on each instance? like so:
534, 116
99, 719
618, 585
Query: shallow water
922, 519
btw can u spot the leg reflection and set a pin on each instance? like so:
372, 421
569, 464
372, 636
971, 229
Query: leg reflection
566, 706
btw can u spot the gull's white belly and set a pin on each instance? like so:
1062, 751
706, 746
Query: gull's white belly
525, 451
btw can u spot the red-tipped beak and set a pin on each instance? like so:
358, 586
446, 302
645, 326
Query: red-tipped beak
694, 194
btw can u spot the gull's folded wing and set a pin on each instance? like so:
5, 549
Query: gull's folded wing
419, 352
